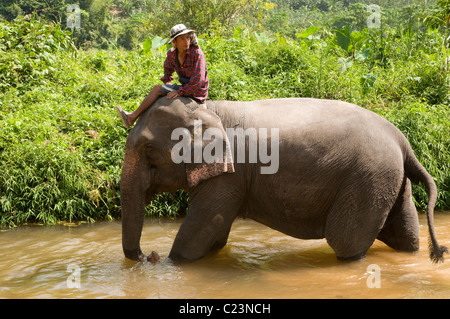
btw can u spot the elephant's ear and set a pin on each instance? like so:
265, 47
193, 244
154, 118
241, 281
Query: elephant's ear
211, 152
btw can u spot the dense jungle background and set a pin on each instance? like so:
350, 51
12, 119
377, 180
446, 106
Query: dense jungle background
65, 64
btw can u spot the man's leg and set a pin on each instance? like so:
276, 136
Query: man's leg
130, 118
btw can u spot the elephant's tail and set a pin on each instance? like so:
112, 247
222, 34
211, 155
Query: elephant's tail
417, 173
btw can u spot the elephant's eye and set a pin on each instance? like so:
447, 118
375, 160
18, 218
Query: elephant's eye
151, 148
152, 155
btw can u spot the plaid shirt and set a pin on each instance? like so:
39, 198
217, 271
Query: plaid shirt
193, 68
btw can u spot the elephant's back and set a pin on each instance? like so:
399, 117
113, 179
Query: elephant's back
293, 116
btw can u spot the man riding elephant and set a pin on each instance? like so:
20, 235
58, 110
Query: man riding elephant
188, 60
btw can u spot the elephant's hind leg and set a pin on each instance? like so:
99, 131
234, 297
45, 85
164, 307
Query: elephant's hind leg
401, 230
353, 223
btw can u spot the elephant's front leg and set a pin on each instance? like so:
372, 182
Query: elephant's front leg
208, 222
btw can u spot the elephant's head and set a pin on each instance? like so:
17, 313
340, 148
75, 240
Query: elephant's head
149, 167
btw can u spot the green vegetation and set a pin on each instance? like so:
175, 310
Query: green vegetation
62, 144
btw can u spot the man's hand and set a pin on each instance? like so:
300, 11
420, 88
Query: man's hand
172, 95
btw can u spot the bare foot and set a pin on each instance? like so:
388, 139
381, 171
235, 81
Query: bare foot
124, 116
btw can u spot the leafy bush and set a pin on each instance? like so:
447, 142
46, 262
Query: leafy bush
426, 128
28, 51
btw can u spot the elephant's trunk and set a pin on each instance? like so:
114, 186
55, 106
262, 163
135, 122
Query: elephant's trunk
133, 188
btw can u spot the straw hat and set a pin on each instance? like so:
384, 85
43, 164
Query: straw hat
178, 30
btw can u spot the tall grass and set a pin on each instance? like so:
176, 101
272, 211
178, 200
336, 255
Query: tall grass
62, 144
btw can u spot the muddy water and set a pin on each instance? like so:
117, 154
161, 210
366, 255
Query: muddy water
87, 262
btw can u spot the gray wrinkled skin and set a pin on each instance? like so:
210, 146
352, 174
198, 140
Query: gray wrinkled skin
344, 174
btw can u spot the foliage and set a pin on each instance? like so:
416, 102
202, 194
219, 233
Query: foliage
49, 9
201, 15
62, 143
28, 52
121, 23
426, 127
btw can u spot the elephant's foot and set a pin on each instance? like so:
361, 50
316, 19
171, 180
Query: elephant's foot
179, 257
352, 258
134, 254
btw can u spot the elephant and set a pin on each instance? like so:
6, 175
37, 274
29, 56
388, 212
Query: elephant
339, 172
